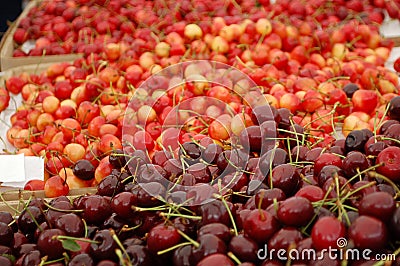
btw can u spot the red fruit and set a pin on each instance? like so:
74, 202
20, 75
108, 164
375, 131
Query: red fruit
379, 204
162, 237
216, 259
396, 65
312, 101
260, 226
326, 159
15, 84
20, 36
326, 232
368, 232
4, 99
390, 160
365, 101
86, 112
55, 186
295, 211
34, 184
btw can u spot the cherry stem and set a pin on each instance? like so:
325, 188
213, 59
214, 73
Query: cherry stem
230, 215
116, 239
234, 258
161, 252
193, 242
163, 214
61, 237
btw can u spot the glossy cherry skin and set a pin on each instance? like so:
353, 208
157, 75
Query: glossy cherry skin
220, 230
368, 232
390, 160
104, 247
209, 244
265, 197
49, 244
284, 238
380, 205
326, 231
216, 259
295, 211
244, 248
260, 225
162, 237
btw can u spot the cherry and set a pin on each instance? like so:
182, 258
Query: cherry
26, 248
295, 211
260, 225
368, 232
5, 217
71, 224
326, 159
350, 89
191, 150
117, 158
200, 172
380, 205
162, 237
218, 229
375, 148
29, 218
313, 154
386, 125
395, 224
327, 172
6, 234
49, 245
95, 209
81, 259
211, 153
182, 255
271, 159
31, 258
390, 159
244, 248
110, 185
356, 139
104, 246
286, 177
326, 231
209, 244
265, 197
251, 138
311, 192
284, 238
151, 173
394, 108
355, 161
83, 169
139, 255
216, 259
122, 204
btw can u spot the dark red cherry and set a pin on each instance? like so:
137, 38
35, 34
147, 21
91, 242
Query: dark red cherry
104, 246
220, 230
326, 231
265, 197
209, 244
6, 234
380, 205
368, 232
395, 224
284, 238
244, 248
260, 225
49, 245
286, 177
162, 237
71, 224
354, 162
295, 211
216, 259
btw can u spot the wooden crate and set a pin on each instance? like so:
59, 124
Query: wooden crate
13, 200
7, 60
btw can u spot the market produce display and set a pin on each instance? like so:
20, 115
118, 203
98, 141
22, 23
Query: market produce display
214, 131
